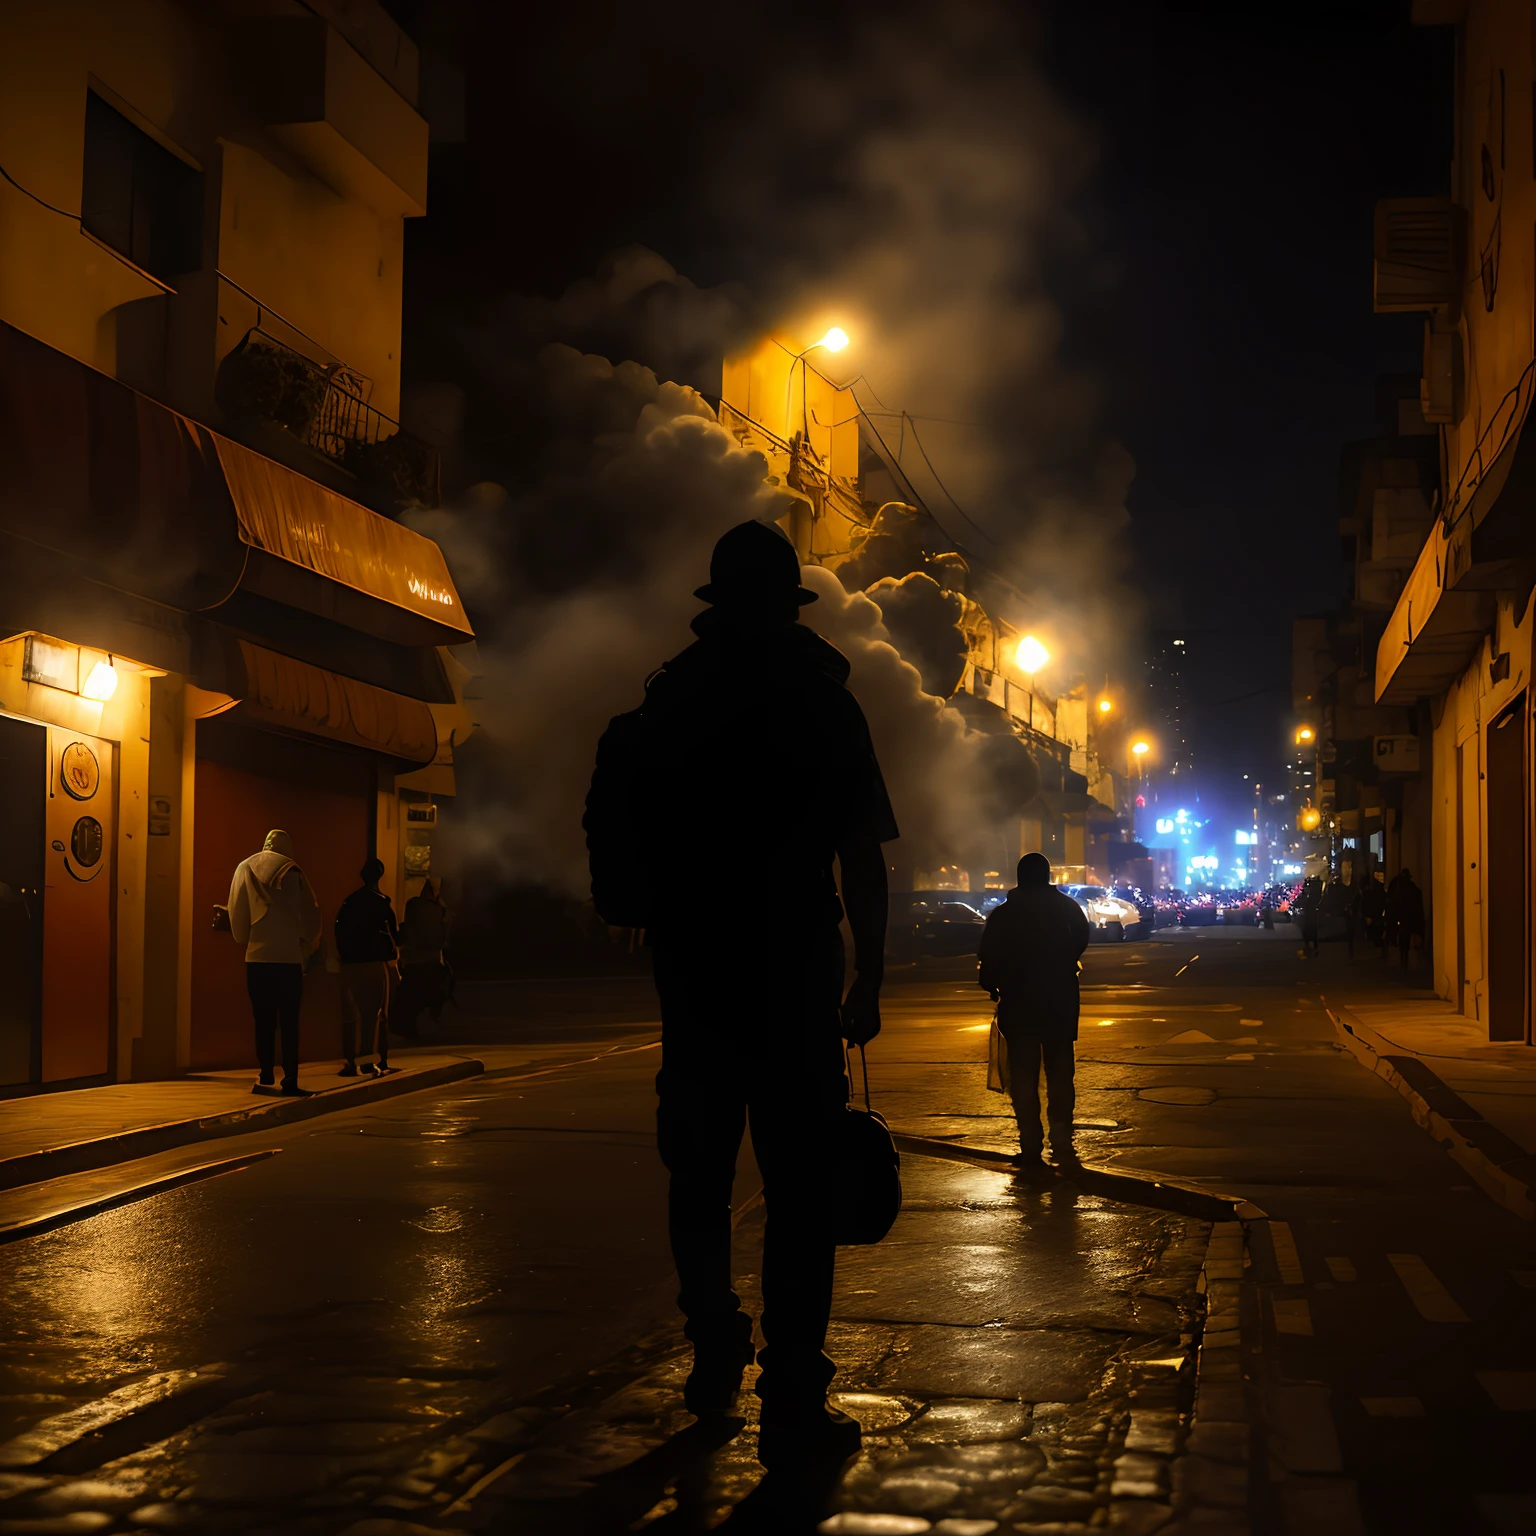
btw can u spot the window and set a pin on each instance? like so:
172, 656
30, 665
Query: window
138, 197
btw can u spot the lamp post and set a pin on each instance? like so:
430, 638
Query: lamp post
1139, 750
834, 341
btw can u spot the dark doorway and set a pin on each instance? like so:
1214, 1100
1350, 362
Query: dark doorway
1508, 906
23, 777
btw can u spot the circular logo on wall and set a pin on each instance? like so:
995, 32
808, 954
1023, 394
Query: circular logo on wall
85, 841
79, 771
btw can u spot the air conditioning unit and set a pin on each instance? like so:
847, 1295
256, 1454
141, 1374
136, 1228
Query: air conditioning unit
1419, 246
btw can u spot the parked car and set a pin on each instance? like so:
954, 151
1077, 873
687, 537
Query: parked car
1145, 906
1108, 916
936, 923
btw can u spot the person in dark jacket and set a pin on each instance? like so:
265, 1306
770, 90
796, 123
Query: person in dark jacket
426, 982
1309, 908
733, 734
365, 949
1029, 963
1405, 913
1373, 912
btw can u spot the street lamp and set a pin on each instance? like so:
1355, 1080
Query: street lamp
1031, 655
1140, 748
1105, 706
834, 341
1304, 735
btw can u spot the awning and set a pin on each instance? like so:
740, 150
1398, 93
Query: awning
1484, 543
292, 695
315, 550
130, 493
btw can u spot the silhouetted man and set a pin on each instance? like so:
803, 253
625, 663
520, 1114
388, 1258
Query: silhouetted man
274, 914
1028, 962
750, 767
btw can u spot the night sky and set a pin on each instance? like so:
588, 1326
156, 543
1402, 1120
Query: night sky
1220, 293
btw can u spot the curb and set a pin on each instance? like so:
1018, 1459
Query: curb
1474, 1143
145, 1140
1212, 1486
1130, 1188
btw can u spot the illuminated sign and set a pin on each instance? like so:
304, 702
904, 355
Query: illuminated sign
1164, 825
1247, 839
433, 594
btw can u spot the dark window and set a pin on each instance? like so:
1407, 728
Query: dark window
138, 197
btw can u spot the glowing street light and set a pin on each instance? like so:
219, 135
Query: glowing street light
1309, 818
1305, 734
1105, 706
1032, 655
834, 341
102, 683
1140, 748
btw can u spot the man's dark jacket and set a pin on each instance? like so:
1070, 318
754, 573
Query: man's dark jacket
1029, 954
756, 766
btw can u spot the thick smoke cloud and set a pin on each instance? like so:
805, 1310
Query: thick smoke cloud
923, 621
934, 227
950, 785
580, 583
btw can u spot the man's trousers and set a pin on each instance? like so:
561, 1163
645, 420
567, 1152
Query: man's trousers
751, 1038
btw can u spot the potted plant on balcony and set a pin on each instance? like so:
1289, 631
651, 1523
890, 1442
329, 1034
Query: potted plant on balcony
400, 470
263, 381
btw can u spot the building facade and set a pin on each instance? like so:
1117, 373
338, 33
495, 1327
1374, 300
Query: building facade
856, 512
213, 623
1454, 657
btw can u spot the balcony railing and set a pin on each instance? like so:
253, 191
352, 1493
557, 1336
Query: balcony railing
265, 379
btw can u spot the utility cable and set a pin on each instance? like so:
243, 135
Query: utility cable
42, 202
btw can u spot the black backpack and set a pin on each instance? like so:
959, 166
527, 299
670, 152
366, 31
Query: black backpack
617, 805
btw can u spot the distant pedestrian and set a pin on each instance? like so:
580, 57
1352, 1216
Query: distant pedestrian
273, 912
1309, 905
1405, 913
426, 982
1373, 912
1347, 902
1029, 963
366, 947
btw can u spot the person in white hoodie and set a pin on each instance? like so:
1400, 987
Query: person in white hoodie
273, 912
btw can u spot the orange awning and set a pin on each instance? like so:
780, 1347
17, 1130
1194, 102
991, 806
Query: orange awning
313, 549
293, 695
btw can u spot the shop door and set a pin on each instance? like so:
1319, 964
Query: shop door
23, 783
1508, 956
77, 907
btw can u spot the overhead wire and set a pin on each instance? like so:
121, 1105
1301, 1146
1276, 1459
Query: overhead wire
42, 202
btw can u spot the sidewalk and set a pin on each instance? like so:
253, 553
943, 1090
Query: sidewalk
1475, 1096
48, 1135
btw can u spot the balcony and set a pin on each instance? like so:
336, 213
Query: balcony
263, 380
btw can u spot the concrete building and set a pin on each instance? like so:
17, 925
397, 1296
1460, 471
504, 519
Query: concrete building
212, 622
856, 510
1454, 659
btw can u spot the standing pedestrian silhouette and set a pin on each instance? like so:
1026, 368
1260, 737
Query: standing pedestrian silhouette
1405, 913
1309, 905
750, 764
366, 935
1028, 962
